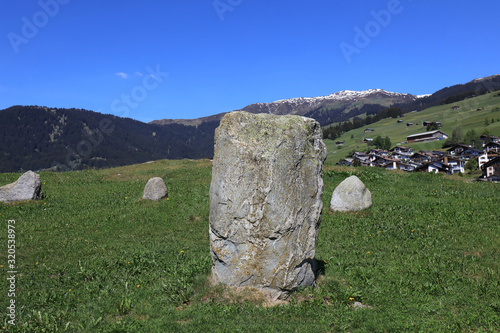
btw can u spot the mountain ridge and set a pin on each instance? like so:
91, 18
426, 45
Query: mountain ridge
35, 137
297, 104
309, 106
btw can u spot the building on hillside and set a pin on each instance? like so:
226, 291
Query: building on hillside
406, 151
458, 149
486, 157
406, 166
434, 167
359, 155
482, 159
492, 147
429, 123
442, 164
399, 156
362, 158
455, 165
393, 164
438, 153
464, 151
491, 169
485, 138
423, 156
346, 162
378, 152
427, 136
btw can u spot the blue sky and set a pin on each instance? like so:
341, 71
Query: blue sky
190, 58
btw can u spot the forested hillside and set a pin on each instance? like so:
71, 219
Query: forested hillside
33, 137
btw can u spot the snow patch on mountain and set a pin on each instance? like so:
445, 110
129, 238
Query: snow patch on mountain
341, 96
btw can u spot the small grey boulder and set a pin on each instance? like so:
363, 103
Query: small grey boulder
26, 187
155, 189
351, 195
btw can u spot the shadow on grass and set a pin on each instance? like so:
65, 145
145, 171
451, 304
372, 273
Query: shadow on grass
319, 267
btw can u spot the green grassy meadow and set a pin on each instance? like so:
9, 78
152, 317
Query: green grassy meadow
92, 256
485, 107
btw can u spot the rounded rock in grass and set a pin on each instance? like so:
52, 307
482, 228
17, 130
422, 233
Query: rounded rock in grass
351, 195
266, 201
155, 189
27, 187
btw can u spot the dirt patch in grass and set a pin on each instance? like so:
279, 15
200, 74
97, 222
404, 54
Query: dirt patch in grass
219, 293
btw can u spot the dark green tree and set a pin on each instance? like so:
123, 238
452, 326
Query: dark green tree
387, 143
432, 127
471, 165
473, 139
378, 142
456, 138
382, 143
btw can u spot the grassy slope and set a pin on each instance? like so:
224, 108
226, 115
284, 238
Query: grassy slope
450, 119
93, 257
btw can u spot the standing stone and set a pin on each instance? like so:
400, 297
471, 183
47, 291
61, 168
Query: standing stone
155, 189
26, 187
351, 195
266, 201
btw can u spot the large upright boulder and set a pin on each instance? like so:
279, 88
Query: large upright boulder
26, 187
155, 189
266, 201
351, 196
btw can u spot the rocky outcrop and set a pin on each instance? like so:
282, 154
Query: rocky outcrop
27, 187
266, 201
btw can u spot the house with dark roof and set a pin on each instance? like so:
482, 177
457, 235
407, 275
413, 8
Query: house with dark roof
492, 147
464, 151
485, 138
434, 167
379, 152
407, 151
491, 168
427, 136
346, 162
455, 165
423, 156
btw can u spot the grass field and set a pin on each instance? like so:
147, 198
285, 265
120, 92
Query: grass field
488, 106
92, 256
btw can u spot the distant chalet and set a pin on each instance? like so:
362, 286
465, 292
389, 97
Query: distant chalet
427, 136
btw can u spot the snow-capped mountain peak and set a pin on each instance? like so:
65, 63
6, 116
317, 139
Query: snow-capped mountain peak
341, 96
